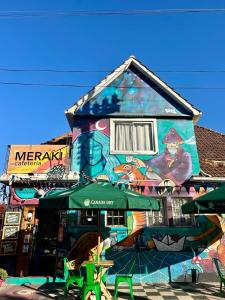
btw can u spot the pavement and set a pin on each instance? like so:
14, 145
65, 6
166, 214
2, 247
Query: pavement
173, 291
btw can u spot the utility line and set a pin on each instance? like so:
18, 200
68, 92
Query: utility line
100, 86
2, 69
75, 13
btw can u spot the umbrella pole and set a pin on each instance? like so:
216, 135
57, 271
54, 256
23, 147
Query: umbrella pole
98, 257
99, 238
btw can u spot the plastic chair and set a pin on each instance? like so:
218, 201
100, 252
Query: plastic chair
221, 271
125, 278
91, 284
71, 277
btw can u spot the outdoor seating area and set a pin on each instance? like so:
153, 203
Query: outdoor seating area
89, 277
89, 280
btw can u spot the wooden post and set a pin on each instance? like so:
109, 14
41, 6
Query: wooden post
99, 241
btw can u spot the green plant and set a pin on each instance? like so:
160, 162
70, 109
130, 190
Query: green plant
3, 274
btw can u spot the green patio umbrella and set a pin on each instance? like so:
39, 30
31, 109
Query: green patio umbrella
99, 195
210, 203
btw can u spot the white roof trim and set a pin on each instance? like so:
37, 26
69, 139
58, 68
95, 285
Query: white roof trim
108, 79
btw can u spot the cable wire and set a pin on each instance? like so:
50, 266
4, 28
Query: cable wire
75, 13
3, 69
100, 86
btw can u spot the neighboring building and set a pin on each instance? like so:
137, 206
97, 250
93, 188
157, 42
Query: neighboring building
133, 130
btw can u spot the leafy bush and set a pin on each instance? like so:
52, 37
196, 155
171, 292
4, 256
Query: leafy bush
3, 274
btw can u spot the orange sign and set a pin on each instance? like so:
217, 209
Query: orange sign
37, 158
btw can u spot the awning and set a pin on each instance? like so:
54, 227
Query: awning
100, 195
210, 203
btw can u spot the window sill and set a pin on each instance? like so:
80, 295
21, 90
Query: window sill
134, 152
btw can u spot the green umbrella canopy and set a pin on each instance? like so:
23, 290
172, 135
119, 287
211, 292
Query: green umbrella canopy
99, 195
217, 195
193, 207
212, 202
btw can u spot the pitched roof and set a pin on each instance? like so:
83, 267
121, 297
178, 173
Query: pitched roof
113, 75
211, 151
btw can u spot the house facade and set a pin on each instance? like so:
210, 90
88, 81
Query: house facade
136, 132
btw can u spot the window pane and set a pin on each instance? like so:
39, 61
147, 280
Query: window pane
179, 218
142, 137
89, 217
133, 136
123, 136
115, 217
157, 217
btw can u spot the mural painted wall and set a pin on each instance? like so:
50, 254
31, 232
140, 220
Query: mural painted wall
31, 195
175, 162
162, 254
132, 93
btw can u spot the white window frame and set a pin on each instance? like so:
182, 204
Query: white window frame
138, 120
113, 226
87, 225
187, 216
166, 224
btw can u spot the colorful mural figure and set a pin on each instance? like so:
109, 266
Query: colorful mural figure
131, 173
174, 163
91, 155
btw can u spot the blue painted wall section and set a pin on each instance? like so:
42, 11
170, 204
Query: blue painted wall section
132, 94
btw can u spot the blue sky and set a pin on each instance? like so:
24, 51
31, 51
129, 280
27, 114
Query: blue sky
31, 115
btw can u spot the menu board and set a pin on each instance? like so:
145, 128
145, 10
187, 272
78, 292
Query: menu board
12, 218
10, 232
8, 248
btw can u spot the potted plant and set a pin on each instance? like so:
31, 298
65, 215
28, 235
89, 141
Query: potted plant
3, 276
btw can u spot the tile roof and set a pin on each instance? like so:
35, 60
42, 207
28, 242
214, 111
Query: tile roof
64, 139
211, 151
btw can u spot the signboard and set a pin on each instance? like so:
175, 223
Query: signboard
12, 218
8, 248
37, 159
10, 232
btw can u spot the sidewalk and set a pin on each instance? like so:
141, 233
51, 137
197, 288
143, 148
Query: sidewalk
185, 291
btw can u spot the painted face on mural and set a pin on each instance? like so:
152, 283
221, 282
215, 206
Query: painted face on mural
92, 151
172, 148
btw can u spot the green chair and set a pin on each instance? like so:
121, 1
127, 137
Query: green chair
221, 271
71, 277
125, 278
91, 284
